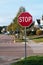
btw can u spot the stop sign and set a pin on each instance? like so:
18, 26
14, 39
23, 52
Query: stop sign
25, 19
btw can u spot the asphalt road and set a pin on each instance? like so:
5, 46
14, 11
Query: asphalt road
10, 51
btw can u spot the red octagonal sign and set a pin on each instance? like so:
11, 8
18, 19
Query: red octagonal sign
25, 19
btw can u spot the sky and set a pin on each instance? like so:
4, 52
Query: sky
9, 9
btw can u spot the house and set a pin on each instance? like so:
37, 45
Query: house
39, 23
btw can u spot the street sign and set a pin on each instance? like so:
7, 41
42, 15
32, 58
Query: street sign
25, 19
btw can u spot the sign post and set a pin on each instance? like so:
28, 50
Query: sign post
25, 20
25, 43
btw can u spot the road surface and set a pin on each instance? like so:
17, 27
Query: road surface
10, 51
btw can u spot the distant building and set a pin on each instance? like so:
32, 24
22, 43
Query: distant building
3, 29
39, 22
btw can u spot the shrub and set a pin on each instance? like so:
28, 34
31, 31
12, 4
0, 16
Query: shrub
39, 32
28, 33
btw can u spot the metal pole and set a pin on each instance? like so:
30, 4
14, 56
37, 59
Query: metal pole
25, 43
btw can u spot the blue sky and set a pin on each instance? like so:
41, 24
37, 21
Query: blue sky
9, 9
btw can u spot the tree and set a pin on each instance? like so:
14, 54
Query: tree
0, 29
21, 9
9, 28
14, 25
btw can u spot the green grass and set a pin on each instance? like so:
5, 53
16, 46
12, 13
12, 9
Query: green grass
33, 60
19, 40
38, 40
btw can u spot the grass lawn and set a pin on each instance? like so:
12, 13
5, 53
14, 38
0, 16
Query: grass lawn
32, 37
38, 40
33, 60
19, 40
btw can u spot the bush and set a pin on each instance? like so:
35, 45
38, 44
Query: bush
28, 33
33, 33
39, 32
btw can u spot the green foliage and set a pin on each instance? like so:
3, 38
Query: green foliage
0, 29
14, 25
21, 9
39, 32
34, 60
9, 27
